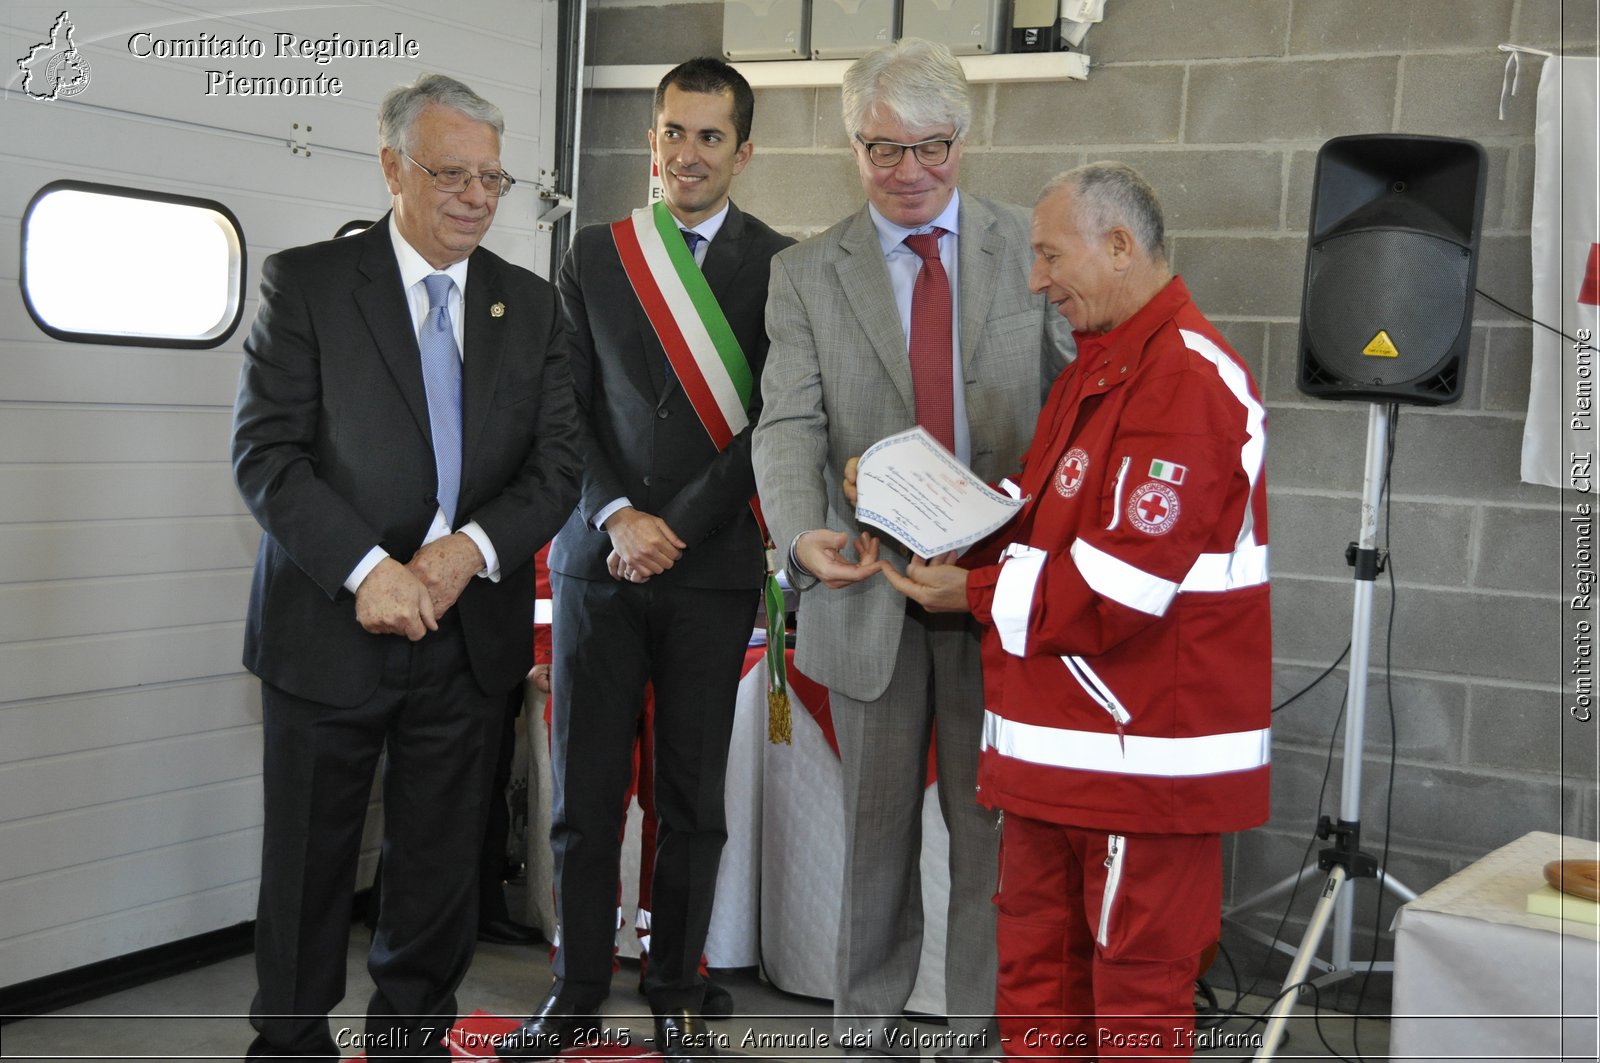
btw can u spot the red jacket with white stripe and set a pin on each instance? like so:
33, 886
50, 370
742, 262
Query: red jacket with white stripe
1128, 642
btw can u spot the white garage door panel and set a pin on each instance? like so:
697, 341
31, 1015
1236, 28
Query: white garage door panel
51, 493
74, 608
107, 662
130, 763
86, 891
127, 717
48, 843
63, 946
50, 433
102, 776
120, 548
40, 370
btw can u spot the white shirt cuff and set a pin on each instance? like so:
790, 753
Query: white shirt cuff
491, 560
610, 508
364, 568
800, 578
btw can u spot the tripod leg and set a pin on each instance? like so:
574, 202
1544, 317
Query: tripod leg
1302, 961
1396, 887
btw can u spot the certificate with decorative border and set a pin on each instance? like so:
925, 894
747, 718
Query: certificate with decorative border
913, 489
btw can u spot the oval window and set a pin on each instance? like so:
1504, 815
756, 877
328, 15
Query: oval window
102, 264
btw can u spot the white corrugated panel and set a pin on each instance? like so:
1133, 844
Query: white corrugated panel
129, 735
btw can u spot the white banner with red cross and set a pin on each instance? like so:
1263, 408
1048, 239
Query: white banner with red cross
1565, 238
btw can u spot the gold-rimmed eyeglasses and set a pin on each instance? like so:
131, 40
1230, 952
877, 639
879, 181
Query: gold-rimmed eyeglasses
886, 154
456, 180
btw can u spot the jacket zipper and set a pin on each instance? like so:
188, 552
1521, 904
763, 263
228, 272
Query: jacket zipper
1116, 848
1116, 498
1101, 695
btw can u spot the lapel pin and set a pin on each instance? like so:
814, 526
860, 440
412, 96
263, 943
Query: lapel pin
497, 310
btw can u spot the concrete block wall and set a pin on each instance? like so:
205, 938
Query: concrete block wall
1223, 105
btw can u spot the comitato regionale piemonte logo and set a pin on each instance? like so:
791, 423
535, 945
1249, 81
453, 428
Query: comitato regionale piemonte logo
55, 69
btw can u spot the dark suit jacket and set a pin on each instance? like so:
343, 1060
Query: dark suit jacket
332, 453
639, 434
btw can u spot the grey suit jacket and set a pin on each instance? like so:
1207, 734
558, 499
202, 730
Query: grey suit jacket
838, 379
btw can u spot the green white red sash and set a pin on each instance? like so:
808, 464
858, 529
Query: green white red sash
715, 375
687, 319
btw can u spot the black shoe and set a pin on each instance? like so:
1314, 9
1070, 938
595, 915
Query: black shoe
508, 932
683, 1036
550, 1030
718, 1002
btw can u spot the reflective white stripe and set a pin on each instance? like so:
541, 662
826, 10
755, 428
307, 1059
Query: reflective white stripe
1245, 567
1011, 487
1013, 596
1116, 849
1173, 758
1113, 578
1253, 452
544, 611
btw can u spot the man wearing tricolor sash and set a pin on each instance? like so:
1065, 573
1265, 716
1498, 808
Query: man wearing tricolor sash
1127, 644
658, 573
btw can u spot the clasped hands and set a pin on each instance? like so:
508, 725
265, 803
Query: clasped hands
642, 545
938, 585
410, 599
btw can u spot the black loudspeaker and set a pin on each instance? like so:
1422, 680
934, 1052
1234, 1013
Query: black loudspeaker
1387, 313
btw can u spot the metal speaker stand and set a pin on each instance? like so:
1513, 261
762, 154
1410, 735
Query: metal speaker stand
1343, 860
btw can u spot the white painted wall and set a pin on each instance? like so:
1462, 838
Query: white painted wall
130, 748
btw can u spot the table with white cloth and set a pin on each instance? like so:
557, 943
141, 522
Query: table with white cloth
778, 886
1479, 977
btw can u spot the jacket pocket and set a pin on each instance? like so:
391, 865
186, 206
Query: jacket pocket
1098, 691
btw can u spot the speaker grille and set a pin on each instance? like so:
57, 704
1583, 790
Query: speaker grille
1409, 284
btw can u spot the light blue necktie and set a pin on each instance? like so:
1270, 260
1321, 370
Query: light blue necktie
441, 375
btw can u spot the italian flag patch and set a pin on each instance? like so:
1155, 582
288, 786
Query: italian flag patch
1168, 471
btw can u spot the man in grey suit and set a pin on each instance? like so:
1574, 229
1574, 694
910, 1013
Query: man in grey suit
913, 310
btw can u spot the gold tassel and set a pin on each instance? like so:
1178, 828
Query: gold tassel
779, 723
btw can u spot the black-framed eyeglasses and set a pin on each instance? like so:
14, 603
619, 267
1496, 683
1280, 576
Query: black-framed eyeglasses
886, 154
455, 179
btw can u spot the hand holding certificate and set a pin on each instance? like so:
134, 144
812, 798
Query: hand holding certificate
911, 488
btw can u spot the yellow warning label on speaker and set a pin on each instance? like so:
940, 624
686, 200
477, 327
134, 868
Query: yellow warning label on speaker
1381, 346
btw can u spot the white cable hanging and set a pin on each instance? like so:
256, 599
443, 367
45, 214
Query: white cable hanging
1514, 71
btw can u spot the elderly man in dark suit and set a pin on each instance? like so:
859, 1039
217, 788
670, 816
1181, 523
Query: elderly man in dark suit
657, 575
403, 435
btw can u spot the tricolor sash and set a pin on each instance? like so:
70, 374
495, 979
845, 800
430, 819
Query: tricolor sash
687, 320
715, 375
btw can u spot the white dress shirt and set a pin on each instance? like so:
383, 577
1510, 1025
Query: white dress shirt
414, 270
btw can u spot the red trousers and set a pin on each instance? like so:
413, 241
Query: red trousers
1100, 937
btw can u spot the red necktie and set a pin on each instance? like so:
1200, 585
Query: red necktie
931, 353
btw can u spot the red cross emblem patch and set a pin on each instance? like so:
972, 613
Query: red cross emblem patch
1154, 507
1069, 474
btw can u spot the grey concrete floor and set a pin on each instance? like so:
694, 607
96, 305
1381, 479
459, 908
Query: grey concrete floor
200, 1015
